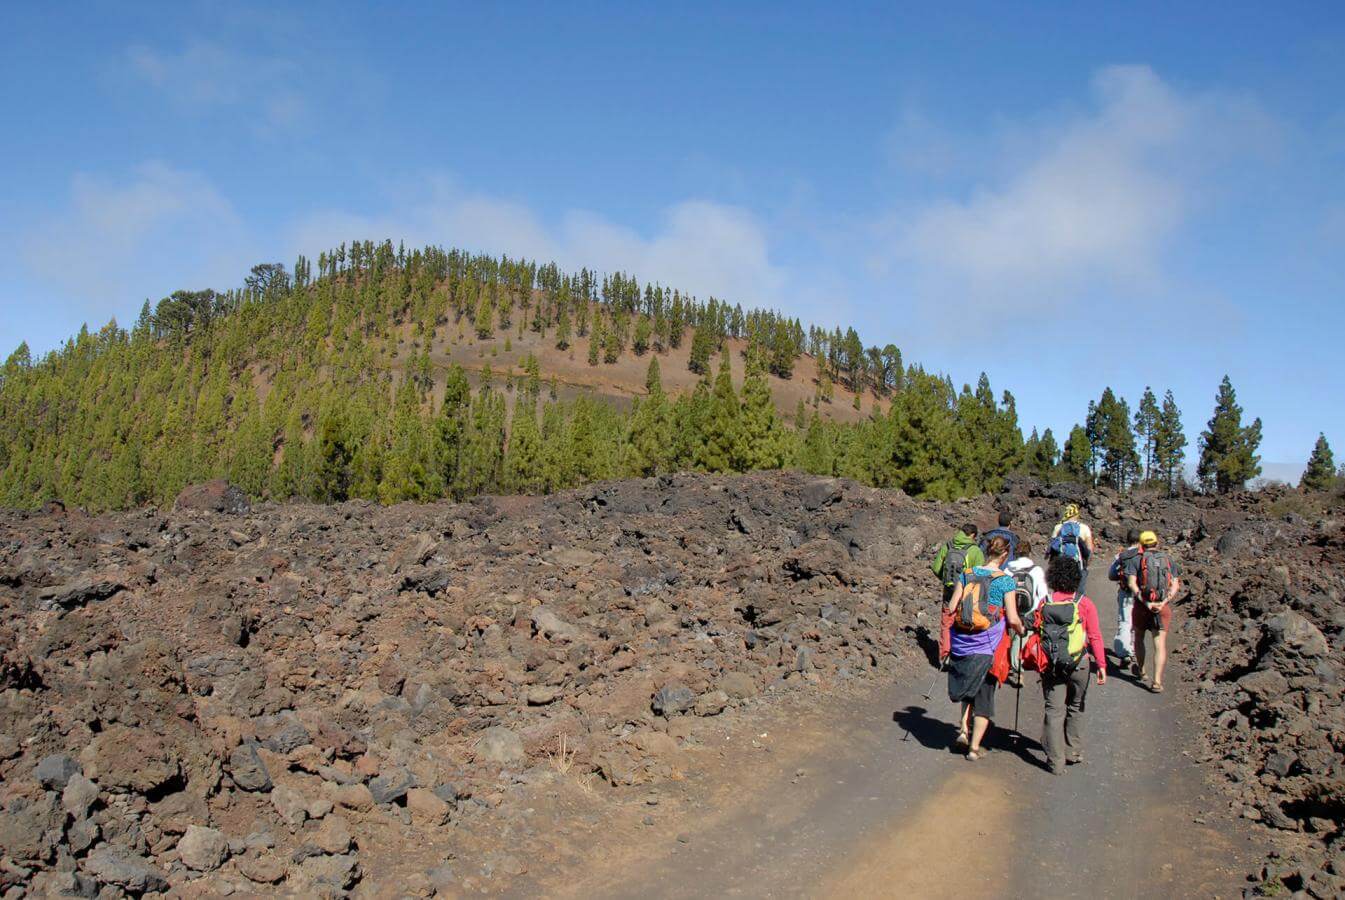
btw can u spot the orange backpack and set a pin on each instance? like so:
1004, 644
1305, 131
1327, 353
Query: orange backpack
974, 611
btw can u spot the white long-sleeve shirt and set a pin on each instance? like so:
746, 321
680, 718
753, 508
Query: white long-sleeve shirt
1035, 572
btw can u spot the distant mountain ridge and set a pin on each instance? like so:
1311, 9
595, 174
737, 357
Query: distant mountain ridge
409, 375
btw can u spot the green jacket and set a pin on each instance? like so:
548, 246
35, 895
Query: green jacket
974, 555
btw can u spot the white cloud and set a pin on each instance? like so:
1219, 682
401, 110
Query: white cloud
699, 246
704, 247
920, 145
165, 223
1094, 207
203, 76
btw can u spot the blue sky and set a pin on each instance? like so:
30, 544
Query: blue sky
1066, 195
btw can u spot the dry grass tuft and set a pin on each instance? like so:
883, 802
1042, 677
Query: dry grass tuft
561, 758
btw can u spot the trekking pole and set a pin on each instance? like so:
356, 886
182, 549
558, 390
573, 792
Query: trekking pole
1017, 699
937, 672
928, 694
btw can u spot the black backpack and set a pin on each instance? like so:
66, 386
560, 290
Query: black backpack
1023, 590
953, 564
1155, 576
1063, 642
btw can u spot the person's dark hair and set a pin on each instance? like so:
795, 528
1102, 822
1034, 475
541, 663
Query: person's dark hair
997, 547
1133, 536
1063, 574
1005, 518
1024, 547
970, 529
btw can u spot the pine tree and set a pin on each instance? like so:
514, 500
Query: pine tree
783, 350
721, 446
1077, 459
1112, 441
483, 445
450, 426
1045, 457
484, 317
760, 434
699, 361
595, 342
410, 470
332, 474
643, 332
1122, 461
1170, 444
649, 437
1146, 426
918, 440
523, 463
690, 413
818, 453
287, 480
1320, 474
1228, 458
563, 329
1030, 450
825, 388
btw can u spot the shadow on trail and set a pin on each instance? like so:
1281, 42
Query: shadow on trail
935, 734
1118, 670
941, 734
929, 643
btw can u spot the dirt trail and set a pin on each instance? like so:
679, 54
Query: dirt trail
862, 812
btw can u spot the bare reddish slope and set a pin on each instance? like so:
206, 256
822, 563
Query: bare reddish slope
623, 380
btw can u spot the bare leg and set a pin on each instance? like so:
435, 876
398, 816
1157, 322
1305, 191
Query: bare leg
1160, 656
978, 732
1139, 651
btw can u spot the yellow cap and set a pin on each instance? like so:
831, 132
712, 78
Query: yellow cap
1071, 511
1148, 539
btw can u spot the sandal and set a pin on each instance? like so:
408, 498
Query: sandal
963, 740
973, 755
1156, 688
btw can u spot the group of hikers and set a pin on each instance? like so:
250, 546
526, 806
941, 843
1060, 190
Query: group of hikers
1003, 616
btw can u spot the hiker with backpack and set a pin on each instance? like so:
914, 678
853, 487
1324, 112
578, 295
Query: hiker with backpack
1124, 645
1154, 578
1004, 531
1066, 632
984, 610
1029, 592
958, 554
1073, 539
